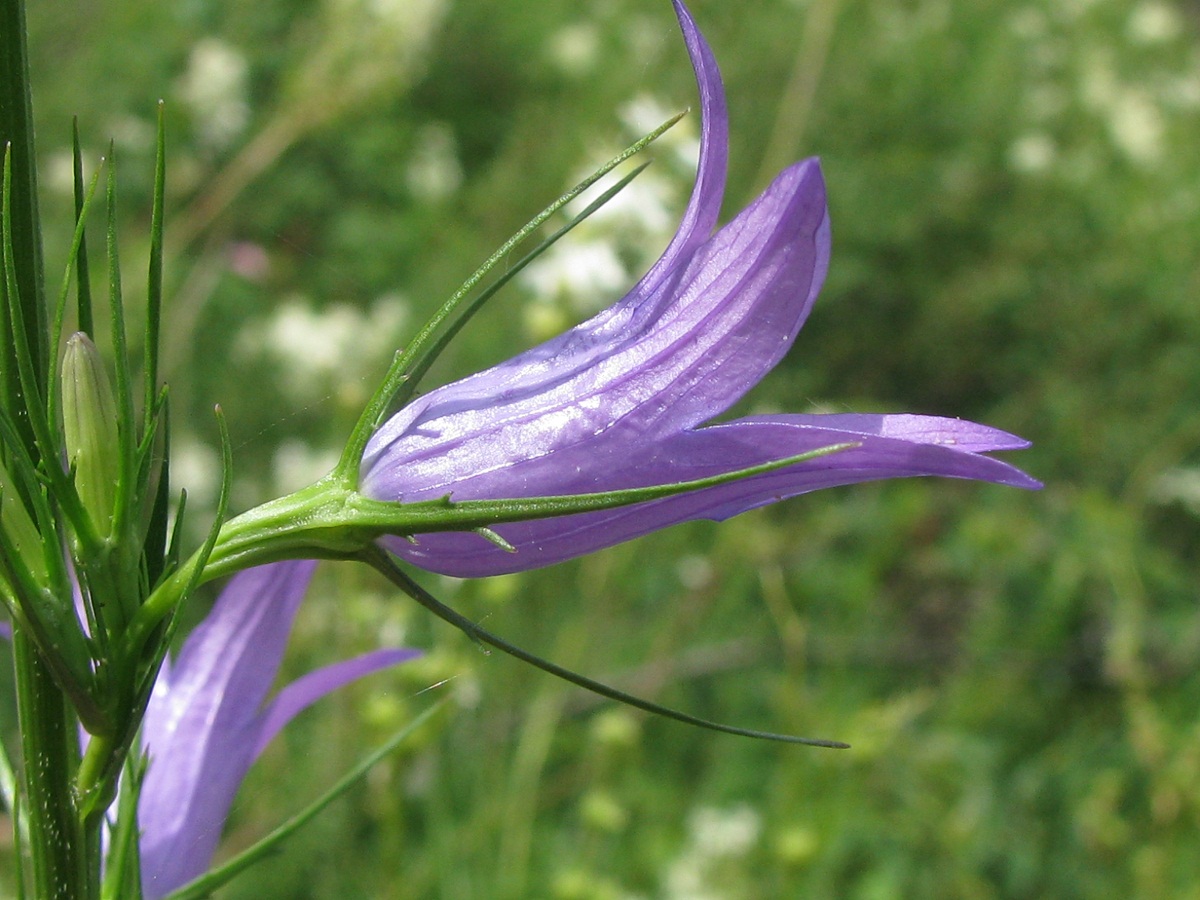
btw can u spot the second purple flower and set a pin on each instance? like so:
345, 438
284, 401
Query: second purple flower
620, 401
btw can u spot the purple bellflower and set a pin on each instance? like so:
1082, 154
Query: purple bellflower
207, 720
619, 401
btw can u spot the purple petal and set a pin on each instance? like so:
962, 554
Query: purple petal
308, 689
891, 447
735, 310
202, 721
206, 722
540, 380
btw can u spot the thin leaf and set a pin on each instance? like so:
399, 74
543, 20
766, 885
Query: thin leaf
154, 289
80, 257
165, 600
155, 543
122, 877
383, 563
116, 313
83, 206
28, 379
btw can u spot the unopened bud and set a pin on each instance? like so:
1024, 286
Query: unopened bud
90, 430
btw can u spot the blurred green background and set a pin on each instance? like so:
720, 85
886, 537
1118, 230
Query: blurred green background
1016, 211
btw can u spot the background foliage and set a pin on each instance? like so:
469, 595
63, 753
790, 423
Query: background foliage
1015, 220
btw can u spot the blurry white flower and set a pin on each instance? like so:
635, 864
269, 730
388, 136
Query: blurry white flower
1154, 23
725, 832
694, 571
1178, 485
575, 49
646, 204
328, 350
132, 133
1032, 153
214, 87
1134, 120
1136, 125
434, 171
413, 17
715, 835
58, 172
644, 113
587, 273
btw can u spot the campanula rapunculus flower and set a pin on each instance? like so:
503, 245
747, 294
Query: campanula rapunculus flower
620, 401
209, 718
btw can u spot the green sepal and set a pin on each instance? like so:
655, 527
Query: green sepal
155, 472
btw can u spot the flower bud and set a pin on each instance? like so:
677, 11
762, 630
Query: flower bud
90, 430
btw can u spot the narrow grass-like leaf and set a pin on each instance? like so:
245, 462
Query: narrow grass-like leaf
83, 206
165, 599
175, 544
83, 306
154, 289
28, 377
123, 388
154, 545
385, 564
24, 236
122, 876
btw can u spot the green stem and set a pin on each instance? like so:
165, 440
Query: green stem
64, 854
16, 130
58, 845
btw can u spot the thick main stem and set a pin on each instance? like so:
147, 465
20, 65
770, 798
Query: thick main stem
64, 854
58, 845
